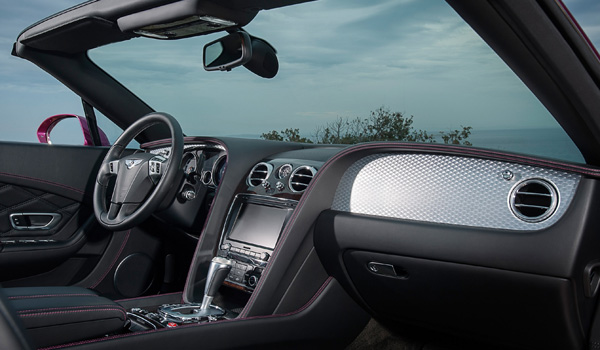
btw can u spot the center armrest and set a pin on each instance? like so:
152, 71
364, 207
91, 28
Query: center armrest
59, 315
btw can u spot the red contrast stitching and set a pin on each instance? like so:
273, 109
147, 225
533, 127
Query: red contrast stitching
69, 308
51, 296
189, 276
399, 147
44, 181
147, 297
113, 262
304, 307
73, 312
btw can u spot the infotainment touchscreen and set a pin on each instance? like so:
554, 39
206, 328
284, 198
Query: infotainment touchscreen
252, 229
258, 224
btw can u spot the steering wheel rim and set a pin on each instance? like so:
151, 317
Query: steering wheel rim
125, 215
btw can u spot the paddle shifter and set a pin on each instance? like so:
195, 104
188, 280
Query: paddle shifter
217, 272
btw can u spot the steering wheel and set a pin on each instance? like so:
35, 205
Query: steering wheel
143, 180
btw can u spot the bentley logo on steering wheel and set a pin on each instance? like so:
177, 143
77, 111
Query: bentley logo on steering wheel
130, 163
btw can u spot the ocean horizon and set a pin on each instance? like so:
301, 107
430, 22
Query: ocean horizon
544, 142
549, 143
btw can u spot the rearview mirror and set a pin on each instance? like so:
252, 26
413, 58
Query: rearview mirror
264, 61
228, 52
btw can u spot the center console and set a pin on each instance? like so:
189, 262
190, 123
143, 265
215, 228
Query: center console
251, 231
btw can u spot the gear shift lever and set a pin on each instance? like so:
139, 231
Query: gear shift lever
187, 313
217, 272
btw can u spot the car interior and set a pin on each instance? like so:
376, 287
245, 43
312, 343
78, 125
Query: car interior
210, 242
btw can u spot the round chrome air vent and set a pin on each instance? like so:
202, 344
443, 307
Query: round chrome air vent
259, 174
533, 200
301, 177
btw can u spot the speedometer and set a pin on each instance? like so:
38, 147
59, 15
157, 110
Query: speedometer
190, 164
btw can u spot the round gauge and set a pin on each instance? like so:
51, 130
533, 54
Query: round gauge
284, 171
219, 170
190, 164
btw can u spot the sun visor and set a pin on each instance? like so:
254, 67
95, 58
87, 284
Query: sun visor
79, 35
183, 19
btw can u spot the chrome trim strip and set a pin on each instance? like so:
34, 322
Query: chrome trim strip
55, 218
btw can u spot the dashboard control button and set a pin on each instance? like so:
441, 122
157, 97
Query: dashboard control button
280, 186
252, 281
188, 195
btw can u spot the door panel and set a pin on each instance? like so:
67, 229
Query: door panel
55, 179
48, 184
18, 204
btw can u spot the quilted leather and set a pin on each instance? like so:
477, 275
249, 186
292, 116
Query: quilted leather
18, 199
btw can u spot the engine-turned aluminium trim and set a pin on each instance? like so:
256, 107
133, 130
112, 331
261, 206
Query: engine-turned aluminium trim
445, 189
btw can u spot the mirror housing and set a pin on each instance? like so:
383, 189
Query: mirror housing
239, 48
264, 61
228, 52
43, 131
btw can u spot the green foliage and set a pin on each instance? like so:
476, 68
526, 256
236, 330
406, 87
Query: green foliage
381, 125
457, 137
290, 135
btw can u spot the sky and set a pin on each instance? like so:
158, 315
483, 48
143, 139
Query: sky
412, 56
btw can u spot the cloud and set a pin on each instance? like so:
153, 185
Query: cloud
337, 58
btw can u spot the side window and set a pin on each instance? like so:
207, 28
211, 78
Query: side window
27, 106
111, 130
31, 100
45, 111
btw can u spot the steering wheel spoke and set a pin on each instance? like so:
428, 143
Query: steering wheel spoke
113, 211
156, 168
113, 167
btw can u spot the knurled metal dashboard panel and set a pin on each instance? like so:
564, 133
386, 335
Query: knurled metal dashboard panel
445, 189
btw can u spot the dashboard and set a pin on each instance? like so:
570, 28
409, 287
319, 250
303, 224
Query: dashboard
472, 241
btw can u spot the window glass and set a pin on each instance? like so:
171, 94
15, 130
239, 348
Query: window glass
417, 59
587, 12
111, 129
29, 95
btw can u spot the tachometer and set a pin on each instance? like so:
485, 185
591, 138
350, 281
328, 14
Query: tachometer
219, 169
190, 163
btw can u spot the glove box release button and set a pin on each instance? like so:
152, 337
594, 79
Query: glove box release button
387, 270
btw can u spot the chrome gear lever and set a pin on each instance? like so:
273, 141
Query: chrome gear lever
217, 272
189, 313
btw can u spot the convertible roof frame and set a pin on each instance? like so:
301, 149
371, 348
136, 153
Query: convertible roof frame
59, 45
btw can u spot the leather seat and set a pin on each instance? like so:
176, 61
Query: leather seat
11, 330
59, 315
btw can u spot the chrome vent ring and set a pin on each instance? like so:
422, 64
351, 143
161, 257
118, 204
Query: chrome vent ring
259, 174
533, 200
301, 177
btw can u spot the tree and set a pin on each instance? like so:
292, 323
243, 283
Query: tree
290, 135
381, 125
457, 137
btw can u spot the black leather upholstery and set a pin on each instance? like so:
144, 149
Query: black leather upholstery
19, 199
58, 315
11, 334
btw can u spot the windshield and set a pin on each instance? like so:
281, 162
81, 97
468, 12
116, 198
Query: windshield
344, 64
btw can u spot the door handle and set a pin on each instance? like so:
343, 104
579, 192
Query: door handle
34, 221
